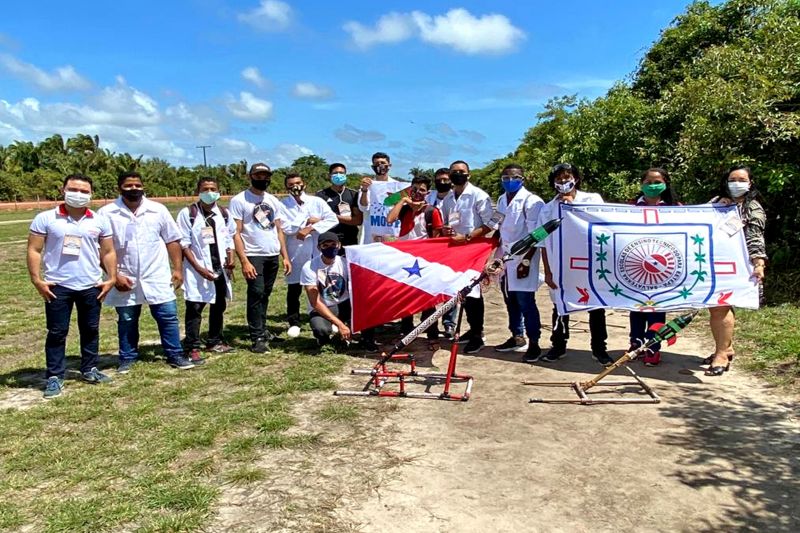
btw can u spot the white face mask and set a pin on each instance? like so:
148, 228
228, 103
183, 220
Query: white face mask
738, 188
566, 187
77, 199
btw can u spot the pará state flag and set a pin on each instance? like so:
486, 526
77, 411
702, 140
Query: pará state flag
391, 280
637, 258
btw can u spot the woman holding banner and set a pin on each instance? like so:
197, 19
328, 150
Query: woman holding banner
737, 188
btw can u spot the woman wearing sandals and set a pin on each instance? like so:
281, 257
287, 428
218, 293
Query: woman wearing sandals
656, 190
737, 187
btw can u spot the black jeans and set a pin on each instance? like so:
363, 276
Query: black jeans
293, 293
597, 330
473, 308
407, 324
194, 316
321, 326
58, 314
258, 291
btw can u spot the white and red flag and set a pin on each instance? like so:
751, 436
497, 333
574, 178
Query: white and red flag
390, 280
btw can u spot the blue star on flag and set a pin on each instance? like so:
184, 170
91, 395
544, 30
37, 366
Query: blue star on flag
414, 269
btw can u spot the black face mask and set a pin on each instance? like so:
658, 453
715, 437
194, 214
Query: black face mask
330, 253
459, 178
132, 195
297, 190
380, 170
261, 185
443, 186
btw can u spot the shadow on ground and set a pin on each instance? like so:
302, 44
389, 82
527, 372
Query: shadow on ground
744, 446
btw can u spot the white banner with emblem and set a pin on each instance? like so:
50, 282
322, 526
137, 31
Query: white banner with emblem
650, 258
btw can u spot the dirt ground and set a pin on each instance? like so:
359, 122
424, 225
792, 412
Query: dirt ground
717, 454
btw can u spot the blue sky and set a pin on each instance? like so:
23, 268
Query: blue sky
272, 80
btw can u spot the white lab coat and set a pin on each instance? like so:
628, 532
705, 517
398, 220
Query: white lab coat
520, 218
195, 287
140, 240
297, 215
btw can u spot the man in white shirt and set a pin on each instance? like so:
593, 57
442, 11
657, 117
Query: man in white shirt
147, 242
468, 211
442, 187
207, 241
306, 218
77, 246
565, 178
375, 227
261, 246
520, 211
326, 281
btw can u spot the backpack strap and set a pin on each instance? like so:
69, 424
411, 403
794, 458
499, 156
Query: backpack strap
429, 219
194, 209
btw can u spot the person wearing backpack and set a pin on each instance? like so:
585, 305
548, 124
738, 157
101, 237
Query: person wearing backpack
418, 220
207, 242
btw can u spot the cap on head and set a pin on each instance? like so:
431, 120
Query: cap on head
328, 236
260, 167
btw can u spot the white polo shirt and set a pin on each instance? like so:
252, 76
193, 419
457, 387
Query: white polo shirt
471, 210
259, 240
71, 247
141, 242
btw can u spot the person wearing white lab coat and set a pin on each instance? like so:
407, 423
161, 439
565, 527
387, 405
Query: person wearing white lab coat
520, 211
306, 218
207, 242
147, 241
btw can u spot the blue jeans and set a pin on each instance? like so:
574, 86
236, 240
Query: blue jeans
58, 314
166, 317
640, 327
522, 308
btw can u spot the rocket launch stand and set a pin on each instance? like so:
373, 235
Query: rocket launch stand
581, 388
381, 375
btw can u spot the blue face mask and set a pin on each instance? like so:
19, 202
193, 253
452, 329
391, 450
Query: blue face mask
511, 186
338, 179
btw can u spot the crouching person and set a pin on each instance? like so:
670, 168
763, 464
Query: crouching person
325, 278
207, 242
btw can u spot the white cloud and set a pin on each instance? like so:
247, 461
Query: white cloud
253, 75
351, 134
311, 91
390, 28
64, 78
442, 128
457, 29
270, 15
249, 107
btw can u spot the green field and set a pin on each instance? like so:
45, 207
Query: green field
152, 451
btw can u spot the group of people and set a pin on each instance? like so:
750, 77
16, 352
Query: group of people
132, 252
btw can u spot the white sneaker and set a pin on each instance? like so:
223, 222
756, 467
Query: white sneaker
293, 332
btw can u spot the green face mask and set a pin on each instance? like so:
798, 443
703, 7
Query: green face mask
652, 190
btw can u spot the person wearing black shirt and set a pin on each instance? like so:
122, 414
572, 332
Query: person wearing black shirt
343, 201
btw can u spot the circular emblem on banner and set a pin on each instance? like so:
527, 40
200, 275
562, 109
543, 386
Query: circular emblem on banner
650, 263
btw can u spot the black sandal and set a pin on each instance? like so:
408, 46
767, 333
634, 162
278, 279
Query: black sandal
719, 370
710, 359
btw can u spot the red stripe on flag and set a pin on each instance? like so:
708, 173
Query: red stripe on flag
459, 257
377, 299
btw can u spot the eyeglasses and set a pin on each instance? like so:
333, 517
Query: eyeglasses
509, 177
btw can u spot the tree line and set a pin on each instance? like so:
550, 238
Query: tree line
721, 86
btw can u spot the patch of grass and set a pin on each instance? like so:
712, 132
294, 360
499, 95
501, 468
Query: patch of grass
769, 343
338, 412
153, 450
10, 517
245, 475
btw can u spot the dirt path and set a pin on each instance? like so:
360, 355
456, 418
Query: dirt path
718, 454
